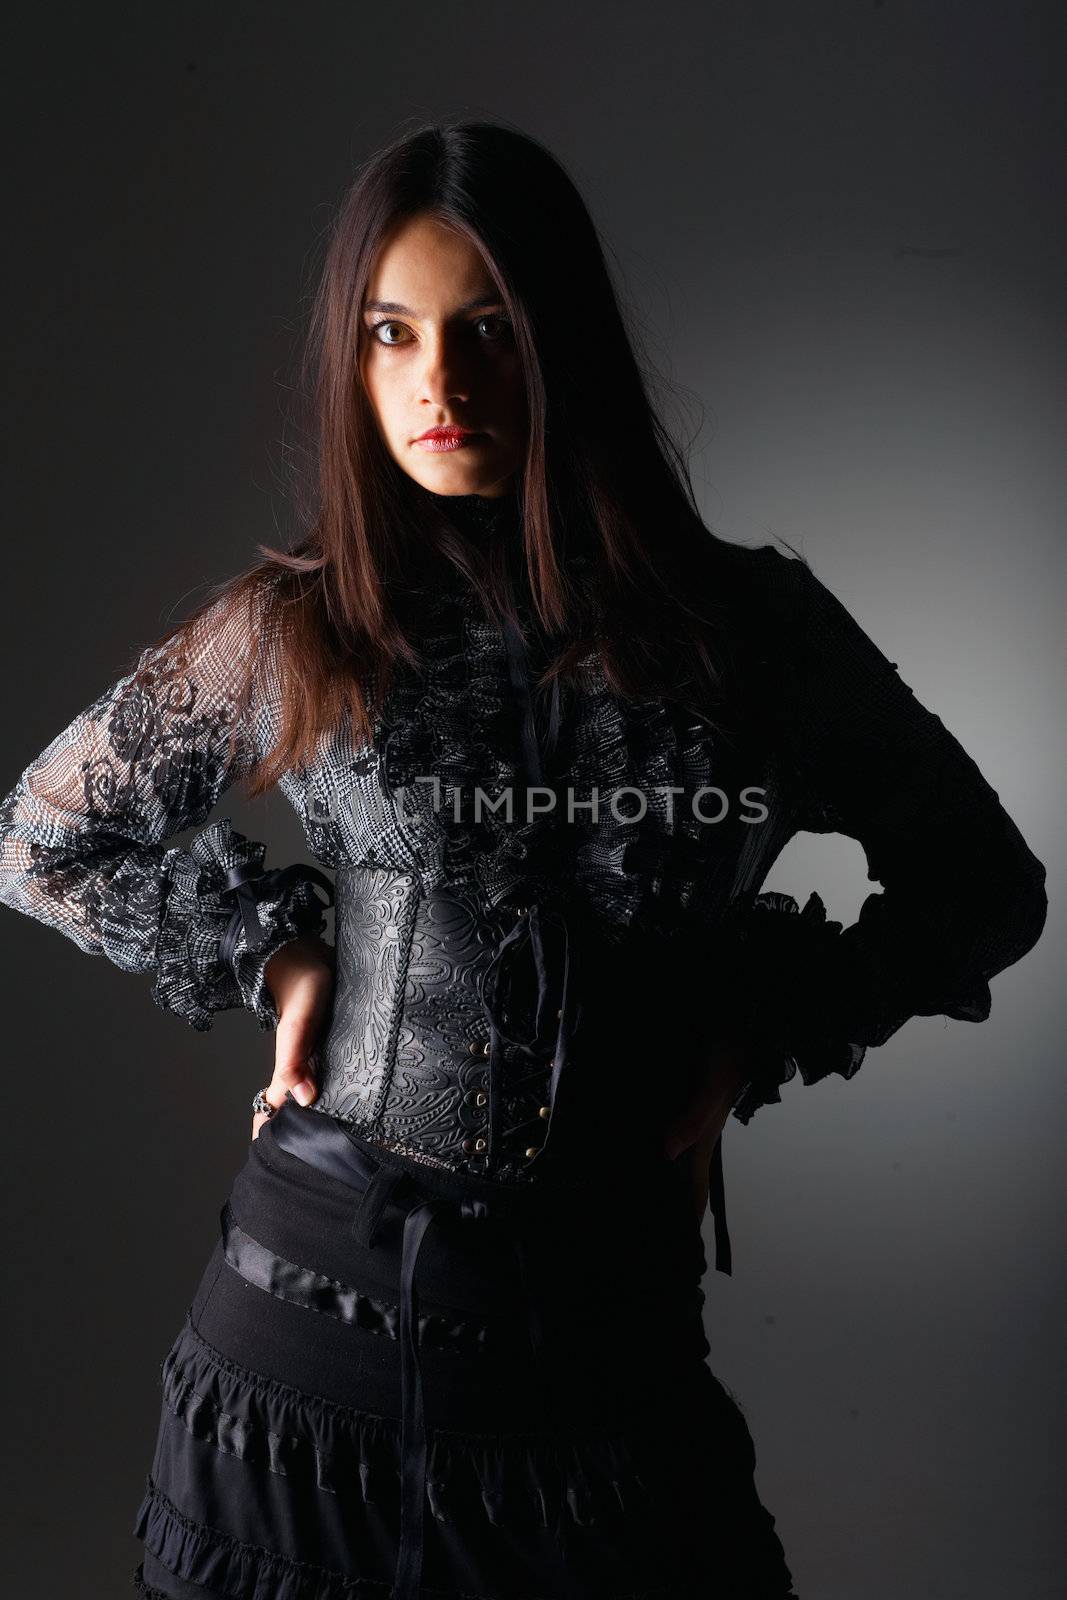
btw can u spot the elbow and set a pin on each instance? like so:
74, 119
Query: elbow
1018, 902
1033, 907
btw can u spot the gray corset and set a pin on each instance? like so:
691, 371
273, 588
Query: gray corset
449, 1024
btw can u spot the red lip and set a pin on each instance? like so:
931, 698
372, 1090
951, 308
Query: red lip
451, 432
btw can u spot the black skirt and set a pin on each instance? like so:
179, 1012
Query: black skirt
395, 1381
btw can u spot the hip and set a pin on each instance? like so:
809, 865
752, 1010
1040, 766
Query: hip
578, 1286
390, 1369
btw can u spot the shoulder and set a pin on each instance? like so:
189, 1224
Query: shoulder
770, 606
238, 622
765, 576
792, 612
216, 656
807, 666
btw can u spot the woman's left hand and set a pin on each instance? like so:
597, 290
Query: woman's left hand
692, 1134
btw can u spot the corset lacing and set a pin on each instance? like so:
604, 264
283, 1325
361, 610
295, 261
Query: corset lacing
557, 1000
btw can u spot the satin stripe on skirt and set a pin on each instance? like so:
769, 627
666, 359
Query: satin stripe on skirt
577, 1445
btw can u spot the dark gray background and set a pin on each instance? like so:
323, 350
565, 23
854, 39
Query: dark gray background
839, 229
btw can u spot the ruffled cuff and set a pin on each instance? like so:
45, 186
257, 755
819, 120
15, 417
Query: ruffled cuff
793, 994
225, 916
811, 998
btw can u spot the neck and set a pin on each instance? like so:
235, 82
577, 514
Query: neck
482, 516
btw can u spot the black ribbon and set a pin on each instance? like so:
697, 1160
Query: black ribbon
528, 933
526, 939
250, 884
497, 983
555, 995
321, 1140
518, 669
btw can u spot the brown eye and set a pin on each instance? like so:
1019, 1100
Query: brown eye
396, 325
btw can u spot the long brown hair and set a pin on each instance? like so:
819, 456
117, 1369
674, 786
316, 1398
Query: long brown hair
602, 474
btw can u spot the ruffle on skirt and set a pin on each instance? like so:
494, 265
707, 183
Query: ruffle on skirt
513, 1483
615, 1466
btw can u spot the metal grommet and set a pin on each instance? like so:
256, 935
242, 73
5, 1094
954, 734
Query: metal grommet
479, 1144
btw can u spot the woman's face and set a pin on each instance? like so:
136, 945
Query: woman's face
438, 353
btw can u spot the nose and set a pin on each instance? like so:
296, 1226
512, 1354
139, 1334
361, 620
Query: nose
445, 378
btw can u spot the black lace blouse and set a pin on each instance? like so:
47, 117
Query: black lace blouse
827, 734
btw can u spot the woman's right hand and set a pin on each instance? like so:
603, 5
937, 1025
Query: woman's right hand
300, 977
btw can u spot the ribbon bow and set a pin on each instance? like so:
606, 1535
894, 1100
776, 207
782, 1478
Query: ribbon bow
269, 885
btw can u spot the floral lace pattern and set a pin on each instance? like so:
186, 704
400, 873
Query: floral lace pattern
84, 834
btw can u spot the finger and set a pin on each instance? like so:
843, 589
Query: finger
297, 1079
257, 1122
294, 1049
682, 1134
698, 1130
698, 1122
705, 1114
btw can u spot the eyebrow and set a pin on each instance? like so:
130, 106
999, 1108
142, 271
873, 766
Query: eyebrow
396, 309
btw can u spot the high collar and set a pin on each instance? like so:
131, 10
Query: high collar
477, 514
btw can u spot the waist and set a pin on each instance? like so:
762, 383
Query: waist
473, 1038
582, 1238
548, 1324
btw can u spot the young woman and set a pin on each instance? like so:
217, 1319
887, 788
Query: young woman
550, 733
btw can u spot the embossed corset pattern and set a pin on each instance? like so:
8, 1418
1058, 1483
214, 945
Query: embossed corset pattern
405, 1054
374, 911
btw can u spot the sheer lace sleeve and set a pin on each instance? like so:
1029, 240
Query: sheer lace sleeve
963, 895
84, 833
